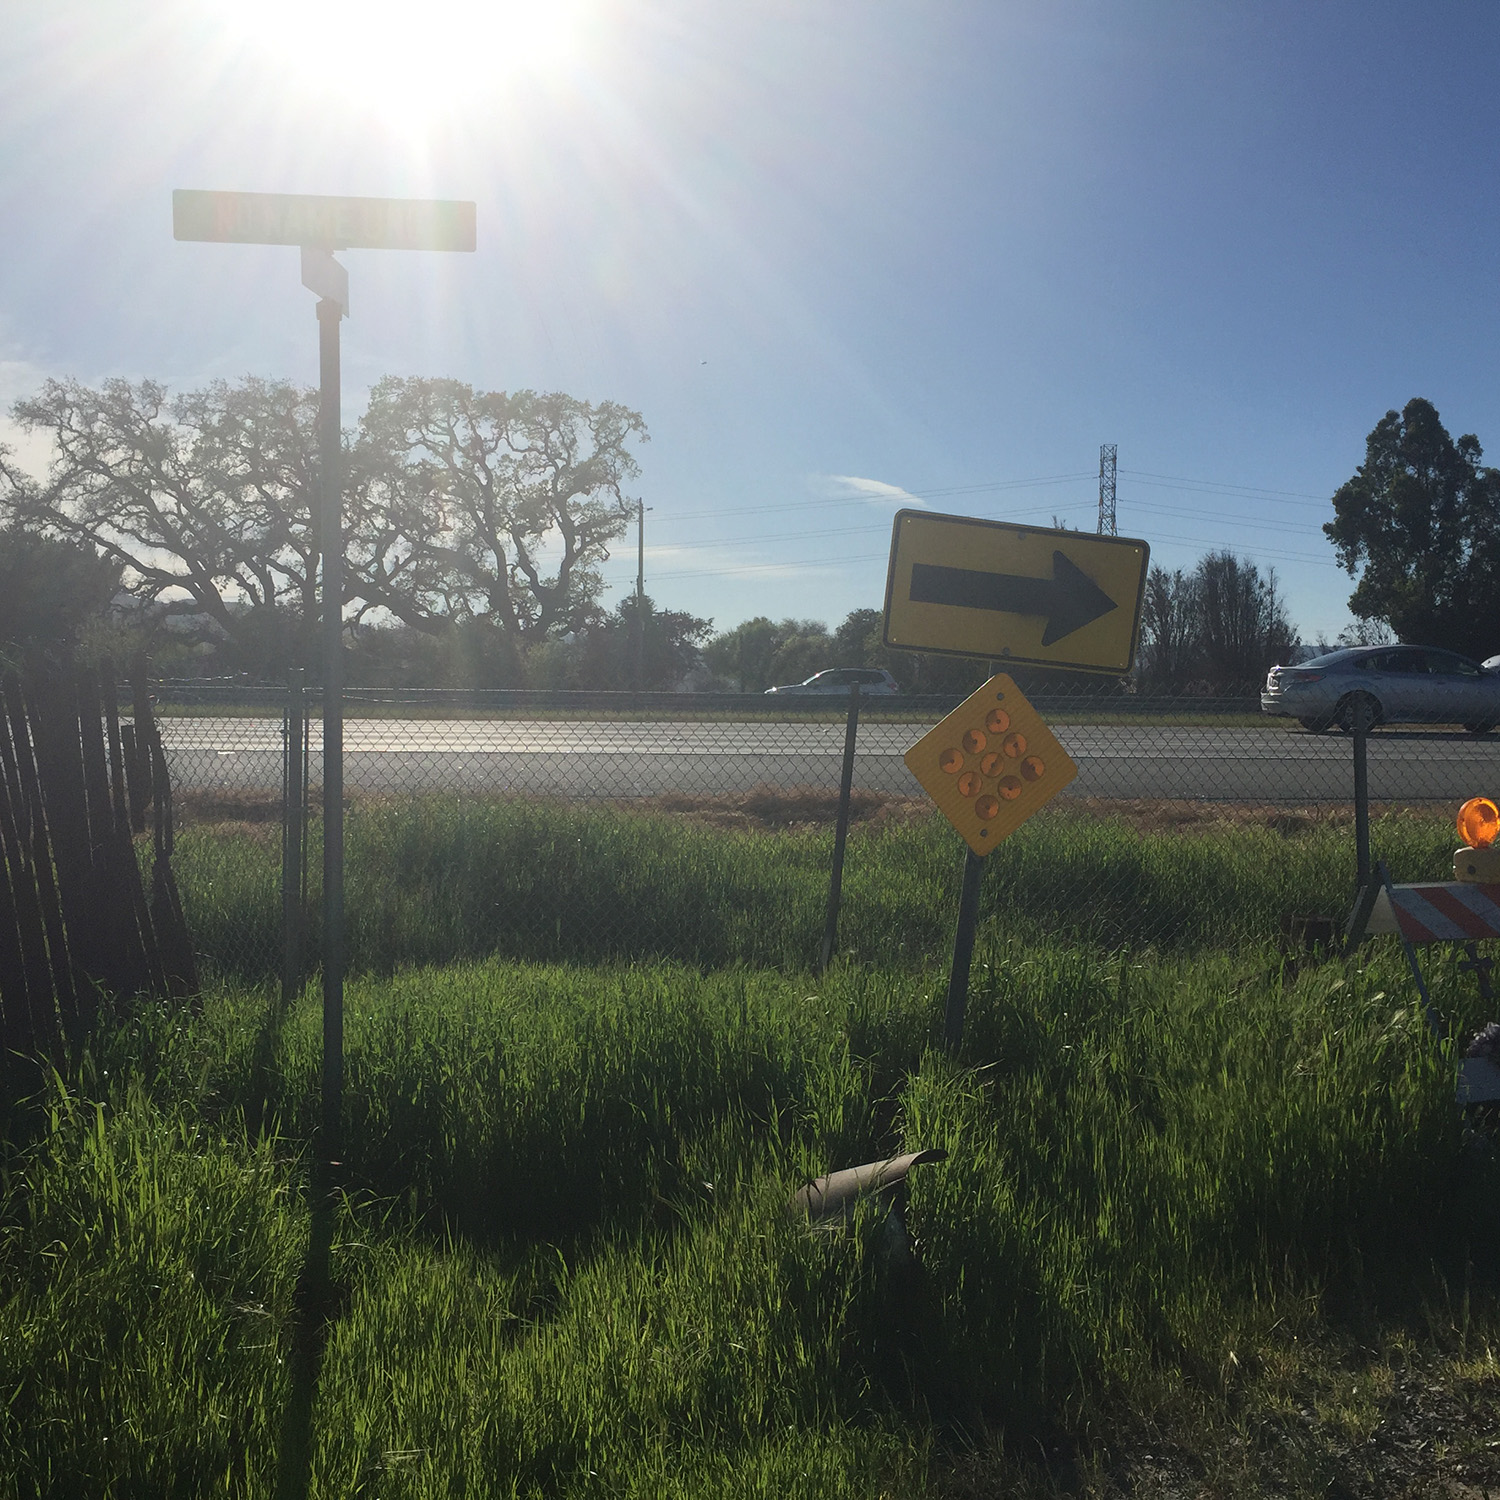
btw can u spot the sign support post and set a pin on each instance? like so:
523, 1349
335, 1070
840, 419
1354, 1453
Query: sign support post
330, 443
319, 226
963, 951
293, 826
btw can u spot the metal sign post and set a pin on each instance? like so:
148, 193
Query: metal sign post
293, 849
963, 951
330, 443
321, 225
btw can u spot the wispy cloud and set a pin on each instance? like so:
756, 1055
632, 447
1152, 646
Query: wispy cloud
876, 491
728, 562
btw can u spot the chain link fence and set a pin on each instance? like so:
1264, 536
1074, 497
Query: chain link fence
700, 827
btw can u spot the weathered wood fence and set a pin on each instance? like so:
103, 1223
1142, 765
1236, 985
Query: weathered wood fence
80, 927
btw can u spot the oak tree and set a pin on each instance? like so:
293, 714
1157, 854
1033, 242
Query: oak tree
487, 506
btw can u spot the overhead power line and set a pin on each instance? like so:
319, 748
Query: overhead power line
1215, 486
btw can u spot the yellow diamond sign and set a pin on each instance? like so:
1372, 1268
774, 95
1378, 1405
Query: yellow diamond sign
990, 764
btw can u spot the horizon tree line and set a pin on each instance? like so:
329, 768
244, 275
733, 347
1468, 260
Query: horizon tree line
477, 523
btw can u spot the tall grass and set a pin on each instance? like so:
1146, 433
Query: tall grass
439, 880
563, 1262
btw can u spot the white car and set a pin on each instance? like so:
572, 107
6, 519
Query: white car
873, 682
1397, 684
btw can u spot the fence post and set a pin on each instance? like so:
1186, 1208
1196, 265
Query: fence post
1360, 728
841, 833
293, 832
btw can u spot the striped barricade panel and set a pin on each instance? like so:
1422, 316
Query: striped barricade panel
1446, 912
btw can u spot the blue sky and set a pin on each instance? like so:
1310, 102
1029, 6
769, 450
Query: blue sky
835, 253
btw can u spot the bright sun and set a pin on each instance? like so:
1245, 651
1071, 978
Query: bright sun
411, 60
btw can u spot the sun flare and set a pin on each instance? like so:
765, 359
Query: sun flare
407, 61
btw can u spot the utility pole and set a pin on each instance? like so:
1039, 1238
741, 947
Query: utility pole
1107, 455
640, 594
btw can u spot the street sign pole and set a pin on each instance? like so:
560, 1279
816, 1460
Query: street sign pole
330, 439
320, 226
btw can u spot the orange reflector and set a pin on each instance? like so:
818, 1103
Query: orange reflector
991, 764
970, 784
1033, 768
1010, 788
1478, 822
1014, 746
952, 761
987, 807
974, 741
997, 721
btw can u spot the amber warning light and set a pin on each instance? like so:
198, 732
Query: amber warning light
1478, 822
990, 764
1478, 827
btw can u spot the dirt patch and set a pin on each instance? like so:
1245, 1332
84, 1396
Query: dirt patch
1381, 1431
226, 807
777, 809
774, 809
1150, 815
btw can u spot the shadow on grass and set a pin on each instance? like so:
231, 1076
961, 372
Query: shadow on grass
316, 1306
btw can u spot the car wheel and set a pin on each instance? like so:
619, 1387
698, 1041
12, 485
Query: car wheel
1351, 705
1483, 727
1319, 725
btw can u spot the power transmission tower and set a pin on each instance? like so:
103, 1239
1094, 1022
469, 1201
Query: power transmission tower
1108, 452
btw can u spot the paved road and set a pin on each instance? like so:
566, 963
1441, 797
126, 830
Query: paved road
1273, 763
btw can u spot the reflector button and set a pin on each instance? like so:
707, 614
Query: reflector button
1009, 788
952, 761
974, 741
1014, 746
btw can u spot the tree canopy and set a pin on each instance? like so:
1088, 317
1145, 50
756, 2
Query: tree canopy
471, 513
51, 591
483, 505
1223, 624
762, 653
1420, 523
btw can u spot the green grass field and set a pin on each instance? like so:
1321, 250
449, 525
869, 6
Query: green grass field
439, 879
1208, 1219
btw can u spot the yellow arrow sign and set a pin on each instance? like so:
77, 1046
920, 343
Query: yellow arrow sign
1018, 594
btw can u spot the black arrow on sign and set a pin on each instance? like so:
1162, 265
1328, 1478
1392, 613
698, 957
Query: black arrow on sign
1069, 599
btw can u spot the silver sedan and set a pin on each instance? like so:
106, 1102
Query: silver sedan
1394, 684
